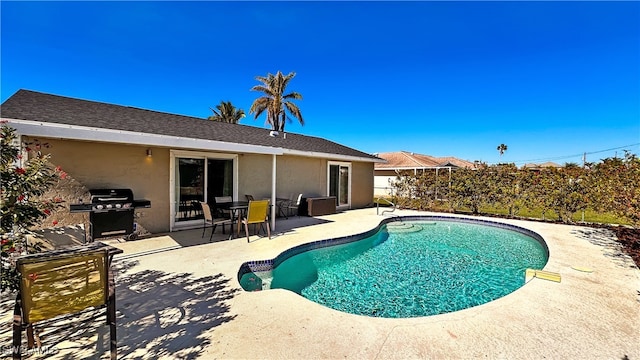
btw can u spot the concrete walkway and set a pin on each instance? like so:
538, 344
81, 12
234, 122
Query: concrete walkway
178, 297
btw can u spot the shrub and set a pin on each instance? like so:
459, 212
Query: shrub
21, 202
609, 186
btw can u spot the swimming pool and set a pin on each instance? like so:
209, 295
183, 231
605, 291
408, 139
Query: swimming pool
406, 267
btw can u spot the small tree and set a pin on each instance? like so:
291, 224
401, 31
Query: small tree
470, 188
507, 184
415, 191
615, 186
567, 191
536, 189
21, 205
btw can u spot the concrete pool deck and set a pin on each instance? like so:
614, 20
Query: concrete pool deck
178, 297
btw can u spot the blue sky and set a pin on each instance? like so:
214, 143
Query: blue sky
551, 80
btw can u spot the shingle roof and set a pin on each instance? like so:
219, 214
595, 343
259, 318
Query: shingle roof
37, 106
409, 160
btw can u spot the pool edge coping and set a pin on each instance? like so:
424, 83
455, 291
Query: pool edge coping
270, 264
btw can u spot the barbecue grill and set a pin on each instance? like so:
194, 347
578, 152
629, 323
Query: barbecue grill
111, 212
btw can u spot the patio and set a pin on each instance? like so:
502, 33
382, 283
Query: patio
178, 297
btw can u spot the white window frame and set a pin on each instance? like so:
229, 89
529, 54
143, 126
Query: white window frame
172, 181
348, 165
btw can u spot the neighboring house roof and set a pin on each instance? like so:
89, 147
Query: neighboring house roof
547, 164
453, 161
63, 115
405, 160
408, 160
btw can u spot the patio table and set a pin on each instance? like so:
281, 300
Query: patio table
237, 208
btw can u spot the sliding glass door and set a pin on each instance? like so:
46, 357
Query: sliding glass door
190, 188
340, 183
219, 178
199, 178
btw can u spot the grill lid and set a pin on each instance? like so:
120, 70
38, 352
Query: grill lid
103, 200
111, 195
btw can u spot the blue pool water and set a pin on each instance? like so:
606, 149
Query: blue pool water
409, 269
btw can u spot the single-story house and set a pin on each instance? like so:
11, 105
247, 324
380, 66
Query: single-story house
166, 157
396, 162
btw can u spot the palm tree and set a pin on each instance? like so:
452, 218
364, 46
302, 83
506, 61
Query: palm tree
502, 148
226, 113
275, 102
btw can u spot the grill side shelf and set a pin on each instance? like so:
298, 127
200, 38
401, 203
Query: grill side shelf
75, 208
141, 203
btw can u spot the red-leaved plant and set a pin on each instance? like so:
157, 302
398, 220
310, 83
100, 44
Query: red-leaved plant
21, 203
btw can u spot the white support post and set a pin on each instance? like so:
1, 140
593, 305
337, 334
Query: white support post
449, 191
273, 192
436, 196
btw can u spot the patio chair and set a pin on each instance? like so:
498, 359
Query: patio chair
213, 222
294, 206
282, 204
249, 197
59, 283
221, 200
257, 213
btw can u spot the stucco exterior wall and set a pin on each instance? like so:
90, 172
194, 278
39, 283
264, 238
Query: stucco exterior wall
382, 185
294, 175
254, 176
382, 182
361, 184
301, 175
104, 165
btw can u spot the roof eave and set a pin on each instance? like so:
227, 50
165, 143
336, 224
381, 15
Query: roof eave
74, 132
338, 157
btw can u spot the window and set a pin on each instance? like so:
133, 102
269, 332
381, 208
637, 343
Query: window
340, 183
